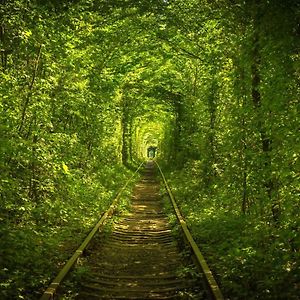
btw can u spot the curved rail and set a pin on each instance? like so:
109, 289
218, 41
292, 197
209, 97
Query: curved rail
52, 288
202, 264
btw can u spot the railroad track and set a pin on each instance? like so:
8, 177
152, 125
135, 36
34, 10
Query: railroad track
140, 259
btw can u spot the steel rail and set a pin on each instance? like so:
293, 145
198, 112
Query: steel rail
52, 288
201, 262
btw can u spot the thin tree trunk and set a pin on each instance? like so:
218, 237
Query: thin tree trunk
212, 109
245, 188
30, 87
125, 134
245, 201
33, 179
3, 51
265, 139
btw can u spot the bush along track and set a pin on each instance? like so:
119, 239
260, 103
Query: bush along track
248, 257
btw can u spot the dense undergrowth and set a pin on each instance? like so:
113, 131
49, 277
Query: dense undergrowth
250, 257
45, 235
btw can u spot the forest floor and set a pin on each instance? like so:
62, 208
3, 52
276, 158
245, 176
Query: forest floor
139, 258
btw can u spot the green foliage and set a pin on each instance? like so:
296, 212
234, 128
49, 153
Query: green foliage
87, 86
60, 165
247, 255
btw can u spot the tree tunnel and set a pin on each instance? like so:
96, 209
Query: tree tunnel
151, 151
151, 130
89, 86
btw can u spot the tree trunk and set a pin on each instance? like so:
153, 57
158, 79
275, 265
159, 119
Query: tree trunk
28, 96
2, 49
125, 116
265, 139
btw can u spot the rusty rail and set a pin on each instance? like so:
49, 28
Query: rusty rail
212, 285
52, 288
